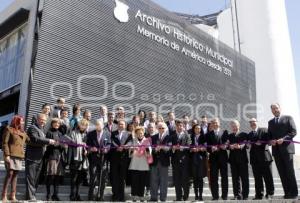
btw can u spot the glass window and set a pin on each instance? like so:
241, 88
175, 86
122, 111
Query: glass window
12, 50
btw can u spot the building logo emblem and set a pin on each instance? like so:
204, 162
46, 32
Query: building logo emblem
120, 12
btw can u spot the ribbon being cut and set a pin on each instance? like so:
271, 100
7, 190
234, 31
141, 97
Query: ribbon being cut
67, 141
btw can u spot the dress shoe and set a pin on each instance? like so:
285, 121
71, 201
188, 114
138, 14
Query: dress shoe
291, 197
237, 198
78, 198
72, 198
269, 197
48, 197
55, 198
100, 199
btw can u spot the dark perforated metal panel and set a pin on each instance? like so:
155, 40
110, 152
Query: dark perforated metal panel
81, 38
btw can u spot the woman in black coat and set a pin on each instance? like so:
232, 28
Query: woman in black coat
53, 157
198, 160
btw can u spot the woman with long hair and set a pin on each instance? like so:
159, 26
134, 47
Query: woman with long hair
14, 139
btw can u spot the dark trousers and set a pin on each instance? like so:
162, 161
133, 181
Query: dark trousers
118, 172
215, 167
239, 172
77, 177
148, 180
285, 167
181, 181
263, 172
32, 173
197, 171
52, 180
97, 173
138, 182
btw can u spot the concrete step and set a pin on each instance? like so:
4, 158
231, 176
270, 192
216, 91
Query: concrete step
64, 194
128, 198
21, 179
66, 188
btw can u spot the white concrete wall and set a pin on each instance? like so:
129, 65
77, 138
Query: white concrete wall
265, 39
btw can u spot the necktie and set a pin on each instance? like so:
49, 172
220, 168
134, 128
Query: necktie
99, 139
196, 139
276, 120
120, 136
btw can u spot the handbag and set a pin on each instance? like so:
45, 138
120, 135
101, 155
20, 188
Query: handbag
150, 159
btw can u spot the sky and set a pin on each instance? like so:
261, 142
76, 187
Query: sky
203, 7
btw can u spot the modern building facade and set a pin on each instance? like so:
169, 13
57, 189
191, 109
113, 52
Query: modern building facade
121, 52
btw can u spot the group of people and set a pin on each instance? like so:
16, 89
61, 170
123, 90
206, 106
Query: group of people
139, 152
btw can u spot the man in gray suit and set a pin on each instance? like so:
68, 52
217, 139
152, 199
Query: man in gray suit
34, 154
282, 129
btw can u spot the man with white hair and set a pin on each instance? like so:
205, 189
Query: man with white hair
238, 160
151, 130
120, 115
103, 114
161, 162
217, 140
98, 142
261, 160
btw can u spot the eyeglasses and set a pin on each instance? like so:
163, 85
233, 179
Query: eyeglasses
161, 128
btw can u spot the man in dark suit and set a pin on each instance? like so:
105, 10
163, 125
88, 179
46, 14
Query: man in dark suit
217, 141
261, 160
110, 126
171, 121
35, 151
181, 142
204, 124
282, 129
99, 142
161, 162
119, 160
238, 160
